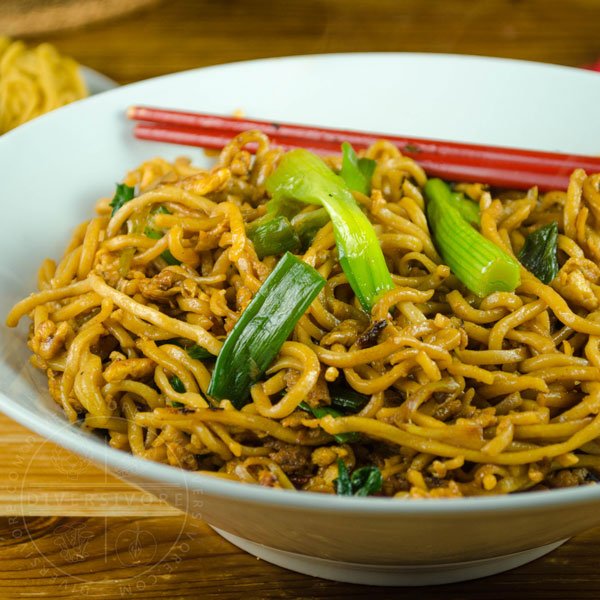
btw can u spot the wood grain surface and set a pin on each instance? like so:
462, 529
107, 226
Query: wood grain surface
69, 530
184, 34
30, 17
178, 557
39, 478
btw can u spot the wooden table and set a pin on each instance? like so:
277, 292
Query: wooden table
65, 537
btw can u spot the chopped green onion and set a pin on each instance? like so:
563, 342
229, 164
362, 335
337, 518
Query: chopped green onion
194, 350
156, 235
123, 194
181, 342
346, 399
481, 265
364, 481
275, 236
322, 411
166, 255
356, 172
199, 353
160, 210
307, 225
178, 386
303, 176
282, 207
538, 254
468, 209
153, 233
343, 486
263, 327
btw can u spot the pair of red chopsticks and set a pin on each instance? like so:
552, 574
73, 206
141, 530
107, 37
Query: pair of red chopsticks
503, 167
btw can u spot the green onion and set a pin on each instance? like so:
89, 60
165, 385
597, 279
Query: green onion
199, 353
193, 350
303, 176
263, 327
181, 342
364, 481
275, 236
478, 263
347, 399
166, 255
307, 225
538, 254
356, 172
123, 194
160, 210
156, 235
178, 386
322, 411
153, 233
282, 207
468, 209
343, 486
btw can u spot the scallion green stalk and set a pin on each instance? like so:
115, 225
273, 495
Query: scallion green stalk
356, 172
468, 209
156, 235
481, 265
274, 236
538, 254
346, 399
322, 411
263, 327
307, 225
303, 176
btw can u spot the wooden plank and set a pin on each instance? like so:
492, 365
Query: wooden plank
184, 34
39, 478
178, 557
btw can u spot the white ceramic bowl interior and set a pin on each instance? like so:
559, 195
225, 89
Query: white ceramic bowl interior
55, 168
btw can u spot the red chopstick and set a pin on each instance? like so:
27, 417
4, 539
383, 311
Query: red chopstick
504, 167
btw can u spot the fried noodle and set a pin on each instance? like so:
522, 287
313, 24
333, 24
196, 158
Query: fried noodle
467, 396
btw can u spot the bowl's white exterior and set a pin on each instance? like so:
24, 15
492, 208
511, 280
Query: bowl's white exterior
53, 170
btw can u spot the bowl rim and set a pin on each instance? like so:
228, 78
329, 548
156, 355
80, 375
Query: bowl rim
99, 452
332, 56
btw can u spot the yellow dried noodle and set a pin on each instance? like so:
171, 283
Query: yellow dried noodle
35, 81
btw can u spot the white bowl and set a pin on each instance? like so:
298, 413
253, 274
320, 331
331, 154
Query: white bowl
97, 82
55, 168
